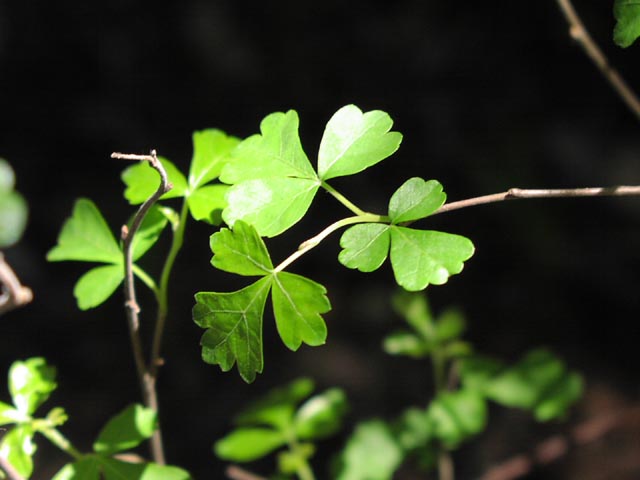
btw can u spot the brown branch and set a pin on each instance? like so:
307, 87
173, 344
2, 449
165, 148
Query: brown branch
9, 470
146, 379
520, 193
14, 294
580, 34
555, 447
236, 473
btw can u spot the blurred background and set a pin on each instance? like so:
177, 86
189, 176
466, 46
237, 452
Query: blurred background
488, 96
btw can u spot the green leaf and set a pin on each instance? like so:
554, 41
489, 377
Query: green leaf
423, 257
8, 414
7, 177
207, 203
18, 448
126, 430
271, 205
118, 470
276, 152
365, 246
406, 343
85, 236
97, 285
415, 310
87, 468
457, 416
414, 429
477, 371
558, 398
234, 323
147, 235
416, 199
450, 325
371, 453
248, 444
290, 462
627, 29
30, 383
211, 152
13, 218
354, 141
240, 251
321, 415
142, 181
298, 303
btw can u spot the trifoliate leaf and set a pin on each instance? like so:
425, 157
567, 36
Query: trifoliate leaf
126, 430
13, 218
298, 303
365, 246
321, 415
248, 444
86, 237
211, 149
457, 416
97, 285
18, 448
30, 383
371, 453
234, 323
275, 152
240, 251
627, 15
423, 257
416, 199
354, 141
272, 205
207, 203
142, 181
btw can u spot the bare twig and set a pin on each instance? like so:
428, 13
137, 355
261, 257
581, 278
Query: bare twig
14, 294
8, 469
519, 193
236, 473
146, 379
581, 35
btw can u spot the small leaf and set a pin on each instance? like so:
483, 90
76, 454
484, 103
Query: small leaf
85, 236
321, 415
450, 325
18, 448
240, 251
248, 444
457, 416
87, 468
211, 149
415, 309
207, 203
149, 232
8, 414
126, 430
354, 141
371, 453
298, 303
30, 383
414, 429
406, 343
627, 29
558, 398
477, 371
423, 257
142, 181
234, 323
271, 205
13, 217
292, 462
365, 246
97, 285
416, 199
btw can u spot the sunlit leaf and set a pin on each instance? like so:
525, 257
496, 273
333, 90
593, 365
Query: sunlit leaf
207, 203
18, 448
126, 430
142, 181
211, 149
248, 444
9, 414
365, 246
97, 285
240, 251
627, 15
30, 383
416, 199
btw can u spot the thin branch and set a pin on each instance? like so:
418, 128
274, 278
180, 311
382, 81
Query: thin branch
146, 379
581, 35
8, 469
14, 294
520, 193
236, 473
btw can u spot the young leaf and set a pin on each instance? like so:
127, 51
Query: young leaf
298, 303
321, 415
450, 325
18, 448
234, 323
423, 257
240, 251
413, 429
365, 246
97, 285
248, 444
142, 181
126, 430
416, 199
30, 383
627, 15
406, 343
86, 237
211, 152
9, 414
371, 453
354, 141
458, 415
415, 309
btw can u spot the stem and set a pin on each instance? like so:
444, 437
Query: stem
580, 34
518, 193
60, 441
14, 294
146, 380
163, 292
315, 241
342, 199
145, 278
236, 473
9, 470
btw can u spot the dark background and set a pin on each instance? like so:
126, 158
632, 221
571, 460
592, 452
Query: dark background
488, 96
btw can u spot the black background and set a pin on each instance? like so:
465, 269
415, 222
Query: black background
488, 96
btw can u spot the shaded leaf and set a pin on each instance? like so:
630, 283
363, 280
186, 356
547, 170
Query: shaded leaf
354, 141
248, 444
298, 303
558, 398
627, 15
406, 343
142, 181
365, 246
321, 415
457, 416
7, 177
126, 430
97, 285
211, 149
415, 310
240, 251
416, 199
30, 383
450, 325
13, 218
